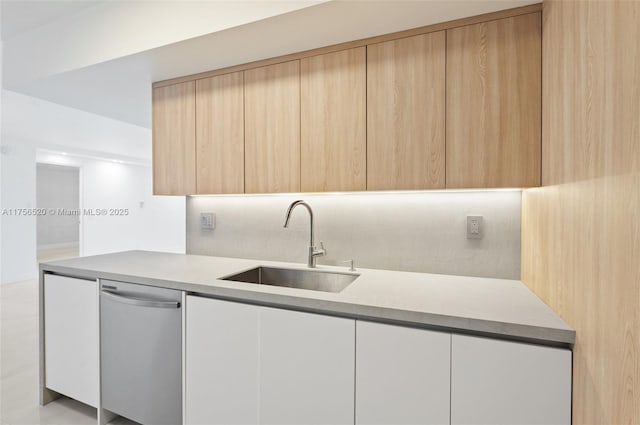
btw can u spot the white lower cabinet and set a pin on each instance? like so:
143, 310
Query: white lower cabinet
71, 337
500, 382
247, 364
306, 368
221, 362
402, 375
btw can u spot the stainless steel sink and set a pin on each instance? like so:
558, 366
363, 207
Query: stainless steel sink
293, 278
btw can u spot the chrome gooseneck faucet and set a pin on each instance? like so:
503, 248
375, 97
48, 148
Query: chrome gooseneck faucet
313, 252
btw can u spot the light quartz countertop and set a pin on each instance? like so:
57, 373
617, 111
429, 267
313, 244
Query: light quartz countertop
492, 307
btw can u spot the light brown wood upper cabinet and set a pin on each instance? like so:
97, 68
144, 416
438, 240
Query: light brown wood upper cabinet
455, 108
493, 103
406, 113
272, 128
333, 129
174, 139
220, 134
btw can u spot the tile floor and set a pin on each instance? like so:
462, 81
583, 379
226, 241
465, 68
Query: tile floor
19, 403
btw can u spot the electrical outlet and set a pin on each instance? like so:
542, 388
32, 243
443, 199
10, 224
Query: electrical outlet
207, 221
474, 227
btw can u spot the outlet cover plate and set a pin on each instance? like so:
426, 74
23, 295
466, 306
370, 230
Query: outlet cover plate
475, 228
207, 221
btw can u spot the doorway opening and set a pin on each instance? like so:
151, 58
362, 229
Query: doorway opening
58, 203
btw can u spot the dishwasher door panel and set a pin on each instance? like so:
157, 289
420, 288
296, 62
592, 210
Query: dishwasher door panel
141, 352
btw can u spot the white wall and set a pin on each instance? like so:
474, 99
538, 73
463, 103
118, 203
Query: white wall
57, 188
152, 222
147, 222
18, 181
46, 124
30, 124
411, 231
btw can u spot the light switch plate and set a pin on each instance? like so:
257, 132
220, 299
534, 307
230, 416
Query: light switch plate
207, 221
474, 227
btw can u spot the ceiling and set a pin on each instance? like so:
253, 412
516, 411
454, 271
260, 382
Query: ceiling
121, 88
19, 16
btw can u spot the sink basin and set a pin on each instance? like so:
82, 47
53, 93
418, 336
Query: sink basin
293, 278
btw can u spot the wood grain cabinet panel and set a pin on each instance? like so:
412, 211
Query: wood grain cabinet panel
406, 113
220, 134
174, 139
494, 103
333, 114
272, 128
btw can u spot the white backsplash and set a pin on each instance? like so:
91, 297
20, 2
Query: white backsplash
409, 231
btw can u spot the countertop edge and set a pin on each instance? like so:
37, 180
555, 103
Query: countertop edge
563, 338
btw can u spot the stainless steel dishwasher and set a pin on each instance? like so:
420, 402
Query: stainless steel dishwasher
141, 352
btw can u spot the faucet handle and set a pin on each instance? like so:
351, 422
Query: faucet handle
351, 268
317, 252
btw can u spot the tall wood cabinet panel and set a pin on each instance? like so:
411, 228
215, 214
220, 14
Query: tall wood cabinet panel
174, 139
272, 128
333, 115
406, 113
220, 134
494, 103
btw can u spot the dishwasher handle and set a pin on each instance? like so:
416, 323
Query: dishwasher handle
141, 302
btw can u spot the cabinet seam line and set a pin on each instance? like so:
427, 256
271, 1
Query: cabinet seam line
355, 365
244, 134
450, 376
446, 91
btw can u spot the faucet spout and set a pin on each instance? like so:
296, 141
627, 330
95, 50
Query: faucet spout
313, 252
290, 210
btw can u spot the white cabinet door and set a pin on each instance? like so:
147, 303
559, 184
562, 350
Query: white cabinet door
306, 368
402, 375
222, 359
71, 337
500, 382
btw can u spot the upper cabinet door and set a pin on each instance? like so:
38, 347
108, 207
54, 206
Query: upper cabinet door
174, 139
220, 134
272, 128
494, 103
333, 130
406, 113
